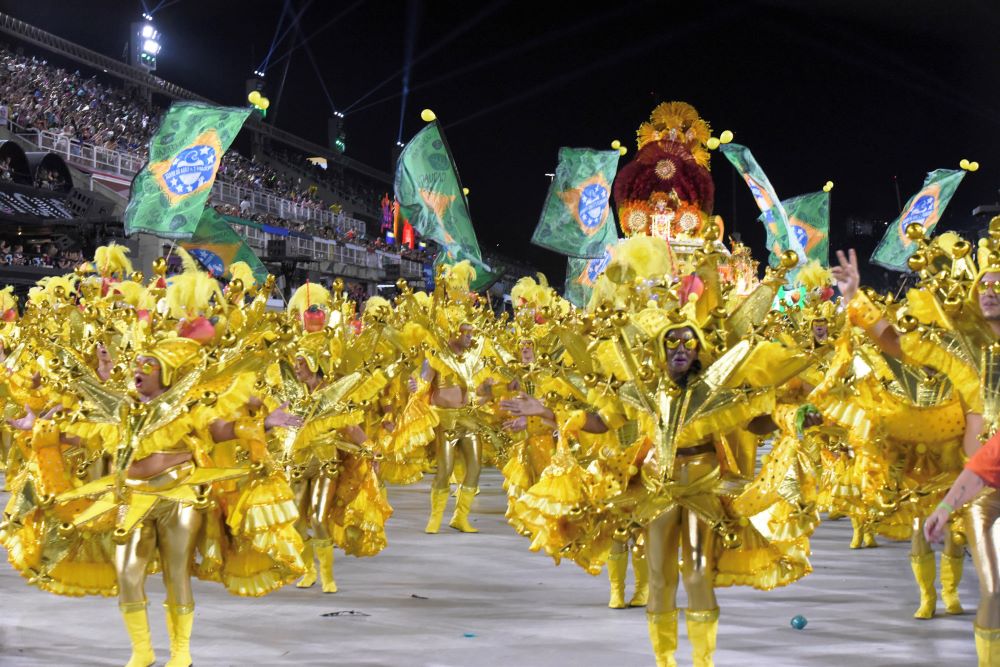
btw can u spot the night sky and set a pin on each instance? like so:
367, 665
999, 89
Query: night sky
857, 92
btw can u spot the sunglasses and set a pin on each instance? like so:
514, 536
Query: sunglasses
674, 343
990, 286
146, 367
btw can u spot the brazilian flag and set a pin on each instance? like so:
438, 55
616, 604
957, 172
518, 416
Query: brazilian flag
576, 218
809, 220
581, 274
216, 245
925, 208
169, 193
431, 197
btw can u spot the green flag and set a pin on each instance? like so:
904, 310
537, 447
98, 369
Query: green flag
576, 218
168, 195
925, 208
774, 217
581, 274
809, 219
216, 246
430, 194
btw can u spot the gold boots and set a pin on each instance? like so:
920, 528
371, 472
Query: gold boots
439, 498
923, 572
309, 578
137, 626
460, 519
324, 554
179, 622
951, 575
858, 536
617, 568
988, 646
641, 571
663, 636
702, 627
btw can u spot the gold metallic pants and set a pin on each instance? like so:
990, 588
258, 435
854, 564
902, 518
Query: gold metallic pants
171, 529
920, 547
314, 498
679, 528
457, 432
984, 541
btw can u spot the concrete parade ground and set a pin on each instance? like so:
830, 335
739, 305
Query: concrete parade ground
484, 600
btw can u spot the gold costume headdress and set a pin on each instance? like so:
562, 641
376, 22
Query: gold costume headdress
319, 350
173, 353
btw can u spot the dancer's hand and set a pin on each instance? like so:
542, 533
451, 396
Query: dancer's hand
846, 274
25, 423
516, 424
935, 525
281, 419
524, 406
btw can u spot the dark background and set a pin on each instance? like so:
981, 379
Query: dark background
857, 92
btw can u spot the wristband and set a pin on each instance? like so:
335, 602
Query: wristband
945, 506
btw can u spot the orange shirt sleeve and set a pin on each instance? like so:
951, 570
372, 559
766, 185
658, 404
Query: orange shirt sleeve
986, 462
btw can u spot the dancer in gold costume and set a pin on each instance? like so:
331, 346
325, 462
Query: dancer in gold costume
952, 324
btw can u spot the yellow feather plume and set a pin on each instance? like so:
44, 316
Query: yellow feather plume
307, 295
242, 271
459, 276
412, 334
643, 257
111, 259
190, 294
375, 303
522, 289
814, 276
7, 299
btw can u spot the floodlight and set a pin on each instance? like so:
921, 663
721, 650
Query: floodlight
148, 31
151, 46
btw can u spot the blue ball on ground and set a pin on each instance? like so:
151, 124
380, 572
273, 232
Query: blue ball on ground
799, 622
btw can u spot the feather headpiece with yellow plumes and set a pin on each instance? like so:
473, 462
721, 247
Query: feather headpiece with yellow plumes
190, 294
310, 305
241, 271
112, 259
458, 278
50, 289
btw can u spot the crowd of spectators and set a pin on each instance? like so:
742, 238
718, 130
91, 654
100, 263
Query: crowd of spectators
78, 109
338, 233
348, 187
38, 254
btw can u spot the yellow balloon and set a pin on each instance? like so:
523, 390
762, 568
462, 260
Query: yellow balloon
828, 186
963, 163
254, 97
622, 150
465, 191
725, 137
264, 103
712, 143
428, 116
973, 166
616, 144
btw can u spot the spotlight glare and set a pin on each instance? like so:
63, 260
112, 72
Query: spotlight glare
148, 32
151, 46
